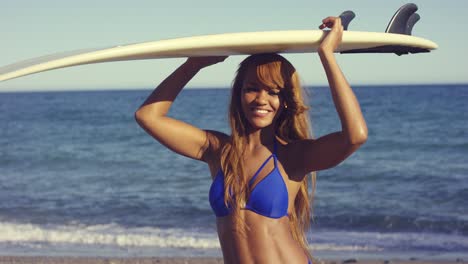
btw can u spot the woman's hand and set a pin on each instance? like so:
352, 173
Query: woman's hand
202, 62
333, 38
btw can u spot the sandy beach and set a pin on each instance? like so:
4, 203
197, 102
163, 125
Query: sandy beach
156, 260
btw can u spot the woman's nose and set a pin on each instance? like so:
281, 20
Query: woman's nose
261, 97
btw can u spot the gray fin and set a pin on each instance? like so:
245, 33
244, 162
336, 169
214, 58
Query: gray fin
346, 18
399, 22
411, 21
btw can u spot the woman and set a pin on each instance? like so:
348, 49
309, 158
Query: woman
259, 190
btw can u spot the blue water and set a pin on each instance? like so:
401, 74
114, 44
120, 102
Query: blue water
79, 177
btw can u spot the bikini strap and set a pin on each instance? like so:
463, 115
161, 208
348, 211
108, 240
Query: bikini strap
275, 148
261, 167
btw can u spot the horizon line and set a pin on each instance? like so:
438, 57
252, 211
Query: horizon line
210, 87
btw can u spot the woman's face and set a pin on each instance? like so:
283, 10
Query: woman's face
260, 104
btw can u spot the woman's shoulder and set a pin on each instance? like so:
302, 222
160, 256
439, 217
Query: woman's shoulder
291, 154
216, 141
217, 138
294, 146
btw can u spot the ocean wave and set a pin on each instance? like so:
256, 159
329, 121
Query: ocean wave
116, 236
451, 224
392, 242
109, 234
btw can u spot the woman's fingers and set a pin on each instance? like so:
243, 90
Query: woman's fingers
206, 61
331, 40
331, 22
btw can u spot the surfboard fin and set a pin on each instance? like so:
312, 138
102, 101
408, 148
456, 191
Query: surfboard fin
411, 21
346, 18
403, 20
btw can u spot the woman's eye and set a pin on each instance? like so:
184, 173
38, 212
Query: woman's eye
275, 93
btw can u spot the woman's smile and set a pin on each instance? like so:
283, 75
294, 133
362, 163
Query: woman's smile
260, 112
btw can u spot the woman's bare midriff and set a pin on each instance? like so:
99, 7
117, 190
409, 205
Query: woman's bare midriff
267, 240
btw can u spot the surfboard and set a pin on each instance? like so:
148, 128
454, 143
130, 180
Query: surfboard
298, 41
397, 39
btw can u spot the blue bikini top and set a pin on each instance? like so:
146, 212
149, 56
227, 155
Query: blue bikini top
268, 198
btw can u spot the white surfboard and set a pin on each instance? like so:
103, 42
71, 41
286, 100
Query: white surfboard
294, 41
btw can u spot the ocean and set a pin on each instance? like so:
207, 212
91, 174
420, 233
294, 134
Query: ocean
78, 176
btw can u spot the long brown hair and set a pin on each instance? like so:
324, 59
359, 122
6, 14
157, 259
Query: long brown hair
274, 71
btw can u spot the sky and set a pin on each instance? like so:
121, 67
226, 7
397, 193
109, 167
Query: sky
32, 28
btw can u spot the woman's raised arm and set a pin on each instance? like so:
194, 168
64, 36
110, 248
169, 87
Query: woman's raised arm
176, 135
331, 149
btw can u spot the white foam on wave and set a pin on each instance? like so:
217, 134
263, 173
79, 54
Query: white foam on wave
334, 247
114, 235
110, 234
